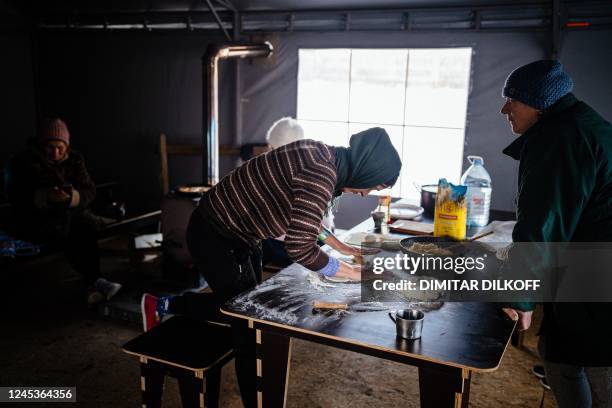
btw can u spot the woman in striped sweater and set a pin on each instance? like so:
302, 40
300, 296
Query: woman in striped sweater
283, 192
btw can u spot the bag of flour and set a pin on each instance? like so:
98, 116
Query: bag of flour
450, 217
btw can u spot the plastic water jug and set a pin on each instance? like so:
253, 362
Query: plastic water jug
478, 196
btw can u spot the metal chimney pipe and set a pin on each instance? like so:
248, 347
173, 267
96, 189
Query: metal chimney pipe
210, 136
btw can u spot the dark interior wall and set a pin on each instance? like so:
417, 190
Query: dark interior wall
17, 100
270, 90
118, 90
586, 56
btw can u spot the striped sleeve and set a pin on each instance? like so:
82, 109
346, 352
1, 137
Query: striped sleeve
312, 190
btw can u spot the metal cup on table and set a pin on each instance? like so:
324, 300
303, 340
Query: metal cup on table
408, 323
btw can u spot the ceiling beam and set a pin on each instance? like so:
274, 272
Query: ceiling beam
555, 29
549, 16
227, 4
212, 9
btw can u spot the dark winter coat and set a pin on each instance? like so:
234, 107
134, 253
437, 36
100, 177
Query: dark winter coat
30, 176
565, 195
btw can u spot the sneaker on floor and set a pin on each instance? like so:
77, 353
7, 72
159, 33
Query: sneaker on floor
94, 297
544, 383
148, 308
106, 287
538, 371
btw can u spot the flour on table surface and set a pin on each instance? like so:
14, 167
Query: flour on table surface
317, 281
287, 298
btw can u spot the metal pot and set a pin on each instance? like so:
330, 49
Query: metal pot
428, 199
191, 190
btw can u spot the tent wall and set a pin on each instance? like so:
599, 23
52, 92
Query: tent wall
487, 131
119, 90
270, 92
17, 92
587, 57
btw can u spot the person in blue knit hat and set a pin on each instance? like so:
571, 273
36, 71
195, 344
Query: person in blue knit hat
564, 195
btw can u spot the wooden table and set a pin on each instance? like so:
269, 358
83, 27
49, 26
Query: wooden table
457, 339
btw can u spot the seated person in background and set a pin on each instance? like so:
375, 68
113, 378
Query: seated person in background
50, 191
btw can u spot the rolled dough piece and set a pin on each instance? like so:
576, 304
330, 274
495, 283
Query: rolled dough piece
338, 279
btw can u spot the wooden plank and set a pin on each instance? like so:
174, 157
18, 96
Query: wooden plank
166, 149
196, 150
225, 150
185, 150
411, 227
329, 305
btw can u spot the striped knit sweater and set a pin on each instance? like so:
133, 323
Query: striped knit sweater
284, 191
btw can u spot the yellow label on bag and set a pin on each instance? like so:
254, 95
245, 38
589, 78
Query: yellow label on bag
450, 216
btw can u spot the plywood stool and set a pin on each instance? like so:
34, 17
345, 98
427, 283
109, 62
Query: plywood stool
192, 352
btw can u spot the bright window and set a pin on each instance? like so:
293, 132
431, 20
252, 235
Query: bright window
419, 96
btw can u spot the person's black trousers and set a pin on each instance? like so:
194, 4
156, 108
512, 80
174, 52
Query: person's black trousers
76, 235
230, 267
81, 248
275, 253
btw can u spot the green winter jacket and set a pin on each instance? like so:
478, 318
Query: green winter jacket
565, 195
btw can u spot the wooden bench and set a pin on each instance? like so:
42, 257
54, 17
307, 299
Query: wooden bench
192, 352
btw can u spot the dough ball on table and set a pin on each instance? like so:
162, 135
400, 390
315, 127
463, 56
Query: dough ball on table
371, 239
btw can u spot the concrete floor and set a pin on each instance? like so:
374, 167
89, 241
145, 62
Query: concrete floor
49, 338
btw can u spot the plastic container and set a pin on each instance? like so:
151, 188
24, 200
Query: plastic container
478, 182
384, 205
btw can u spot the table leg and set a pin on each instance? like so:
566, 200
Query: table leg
191, 388
444, 387
152, 375
213, 388
273, 357
517, 338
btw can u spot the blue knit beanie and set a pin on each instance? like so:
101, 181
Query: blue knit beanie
539, 84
